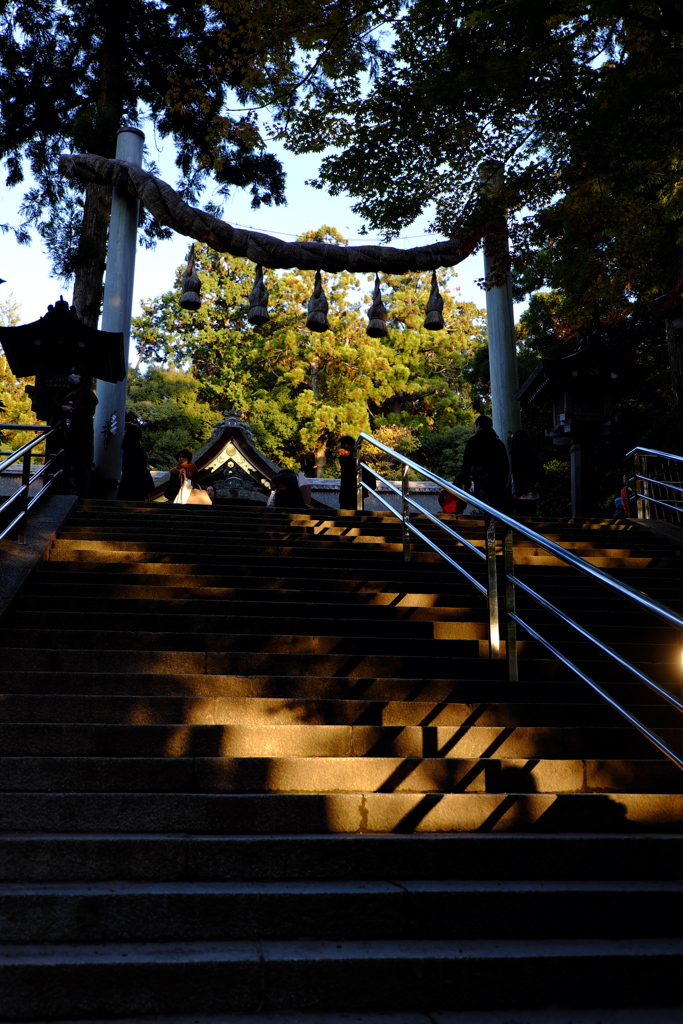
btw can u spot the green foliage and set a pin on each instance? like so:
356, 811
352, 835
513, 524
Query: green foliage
304, 389
15, 405
200, 75
556, 499
167, 405
580, 102
443, 452
402, 439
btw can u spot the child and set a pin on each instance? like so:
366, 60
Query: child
449, 503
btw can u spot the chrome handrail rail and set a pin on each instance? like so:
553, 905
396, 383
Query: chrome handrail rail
510, 527
22, 494
643, 491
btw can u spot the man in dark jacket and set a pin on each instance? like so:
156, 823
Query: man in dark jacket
485, 463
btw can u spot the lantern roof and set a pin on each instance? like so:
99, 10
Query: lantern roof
552, 376
59, 340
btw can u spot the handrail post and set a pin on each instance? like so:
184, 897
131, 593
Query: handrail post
405, 512
641, 486
360, 490
492, 587
511, 632
637, 486
25, 482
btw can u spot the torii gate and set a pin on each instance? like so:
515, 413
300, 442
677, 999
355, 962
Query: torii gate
131, 186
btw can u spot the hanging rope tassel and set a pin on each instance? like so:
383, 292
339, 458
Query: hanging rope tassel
434, 317
377, 314
317, 307
258, 300
191, 286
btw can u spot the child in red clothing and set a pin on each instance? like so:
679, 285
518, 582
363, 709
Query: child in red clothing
449, 503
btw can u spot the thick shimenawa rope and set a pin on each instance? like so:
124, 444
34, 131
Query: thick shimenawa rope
169, 209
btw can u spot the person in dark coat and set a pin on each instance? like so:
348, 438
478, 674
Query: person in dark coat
527, 474
285, 491
75, 411
348, 489
136, 480
485, 463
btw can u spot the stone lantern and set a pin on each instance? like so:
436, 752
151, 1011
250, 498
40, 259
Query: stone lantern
582, 388
47, 349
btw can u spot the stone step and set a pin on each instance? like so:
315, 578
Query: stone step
352, 975
74, 624
211, 710
640, 635
124, 911
324, 741
343, 643
351, 588
492, 687
368, 774
125, 538
227, 602
651, 1014
354, 665
76, 595
374, 558
246, 813
179, 857
278, 571
173, 608
226, 549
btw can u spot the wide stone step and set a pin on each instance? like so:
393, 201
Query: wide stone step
493, 685
467, 625
279, 571
400, 974
211, 710
163, 548
132, 641
245, 814
179, 857
333, 540
474, 741
369, 774
374, 559
355, 665
174, 607
119, 911
78, 581
73, 625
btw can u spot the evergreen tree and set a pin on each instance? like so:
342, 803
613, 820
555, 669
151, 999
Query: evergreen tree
73, 71
15, 405
167, 404
303, 389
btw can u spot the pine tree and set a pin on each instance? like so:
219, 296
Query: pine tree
303, 389
15, 405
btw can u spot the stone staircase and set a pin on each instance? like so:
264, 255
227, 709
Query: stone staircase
254, 765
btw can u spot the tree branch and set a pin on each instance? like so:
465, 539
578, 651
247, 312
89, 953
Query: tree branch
168, 208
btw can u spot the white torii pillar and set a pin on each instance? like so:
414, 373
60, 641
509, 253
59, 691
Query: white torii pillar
110, 414
502, 340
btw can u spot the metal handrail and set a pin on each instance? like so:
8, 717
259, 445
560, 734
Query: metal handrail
22, 494
510, 527
644, 483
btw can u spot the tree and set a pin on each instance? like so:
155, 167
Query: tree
15, 405
580, 102
72, 71
168, 406
303, 389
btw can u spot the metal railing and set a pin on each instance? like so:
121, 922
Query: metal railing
491, 588
20, 502
651, 490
